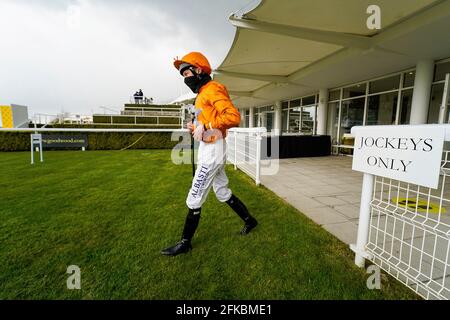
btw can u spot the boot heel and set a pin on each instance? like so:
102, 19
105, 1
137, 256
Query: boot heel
249, 226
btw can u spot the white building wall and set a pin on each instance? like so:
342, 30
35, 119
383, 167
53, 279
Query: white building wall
20, 115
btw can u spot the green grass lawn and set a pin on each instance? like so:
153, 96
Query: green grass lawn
111, 212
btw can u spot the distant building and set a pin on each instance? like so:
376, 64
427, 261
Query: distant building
69, 118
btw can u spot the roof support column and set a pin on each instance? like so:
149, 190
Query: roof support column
422, 92
242, 116
277, 126
322, 110
251, 117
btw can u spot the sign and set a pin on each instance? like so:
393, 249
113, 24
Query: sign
420, 205
6, 116
36, 138
64, 141
405, 153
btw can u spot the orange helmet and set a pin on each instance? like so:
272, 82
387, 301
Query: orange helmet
196, 59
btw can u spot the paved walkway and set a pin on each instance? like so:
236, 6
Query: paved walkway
328, 191
325, 189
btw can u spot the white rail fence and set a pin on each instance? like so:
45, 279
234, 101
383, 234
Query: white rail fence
244, 150
244, 145
404, 228
47, 119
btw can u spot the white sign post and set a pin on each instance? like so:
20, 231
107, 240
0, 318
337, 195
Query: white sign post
405, 153
36, 139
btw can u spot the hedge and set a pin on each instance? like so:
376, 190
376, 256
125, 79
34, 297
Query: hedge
145, 120
131, 120
169, 121
110, 126
151, 106
20, 141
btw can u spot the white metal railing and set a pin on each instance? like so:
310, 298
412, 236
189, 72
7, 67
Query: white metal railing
90, 130
48, 119
110, 109
140, 100
41, 118
162, 112
244, 150
404, 228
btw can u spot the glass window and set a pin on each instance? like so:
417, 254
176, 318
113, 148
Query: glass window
284, 120
355, 91
437, 92
405, 110
385, 84
294, 120
352, 114
284, 105
441, 70
256, 120
308, 101
269, 118
333, 118
334, 95
409, 78
382, 109
246, 116
295, 103
308, 119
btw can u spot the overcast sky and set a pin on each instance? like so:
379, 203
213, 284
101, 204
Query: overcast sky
79, 55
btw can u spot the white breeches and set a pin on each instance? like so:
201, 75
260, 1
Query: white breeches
210, 172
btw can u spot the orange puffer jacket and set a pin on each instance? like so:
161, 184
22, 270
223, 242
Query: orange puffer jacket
217, 110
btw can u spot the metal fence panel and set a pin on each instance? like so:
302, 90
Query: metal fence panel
244, 150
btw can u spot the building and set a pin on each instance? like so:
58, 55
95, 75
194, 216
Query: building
13, 116
318, 68
184, 99
69, 118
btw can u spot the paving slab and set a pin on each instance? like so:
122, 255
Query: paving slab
345, 231
325, 189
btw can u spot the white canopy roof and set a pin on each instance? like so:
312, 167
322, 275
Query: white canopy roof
286, 48
184, 97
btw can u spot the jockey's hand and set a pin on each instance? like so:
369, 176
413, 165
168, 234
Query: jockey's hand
190, 126
198, 132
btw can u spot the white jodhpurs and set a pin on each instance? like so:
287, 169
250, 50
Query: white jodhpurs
210, 172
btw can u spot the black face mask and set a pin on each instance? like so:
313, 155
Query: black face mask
197, 81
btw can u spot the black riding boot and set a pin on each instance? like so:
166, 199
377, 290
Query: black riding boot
242, 212
190, 226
